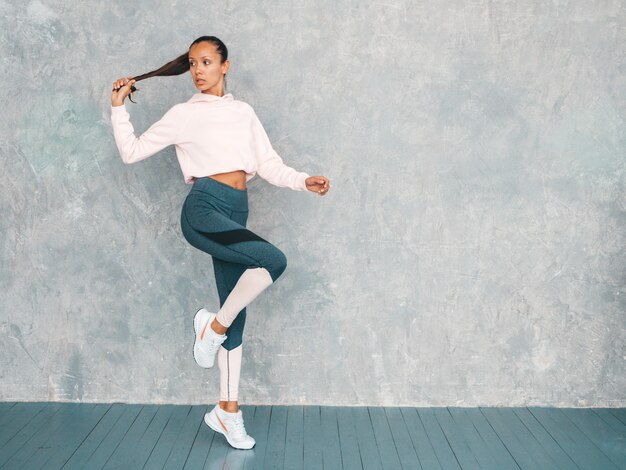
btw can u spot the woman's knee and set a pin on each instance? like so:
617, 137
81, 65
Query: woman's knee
277, 263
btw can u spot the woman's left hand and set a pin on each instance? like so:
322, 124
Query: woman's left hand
318, 184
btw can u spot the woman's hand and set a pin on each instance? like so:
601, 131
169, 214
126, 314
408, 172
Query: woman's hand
121, 89
317, 184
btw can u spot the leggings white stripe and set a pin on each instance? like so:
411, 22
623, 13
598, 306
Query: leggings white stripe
229, 363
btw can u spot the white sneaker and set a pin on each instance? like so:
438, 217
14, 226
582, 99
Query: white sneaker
207, 341
231, 425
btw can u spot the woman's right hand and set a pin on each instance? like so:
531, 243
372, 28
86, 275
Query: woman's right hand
121, 89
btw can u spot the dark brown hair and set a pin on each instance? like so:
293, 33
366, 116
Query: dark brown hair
180, 64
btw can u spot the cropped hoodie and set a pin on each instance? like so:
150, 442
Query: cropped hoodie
211, 134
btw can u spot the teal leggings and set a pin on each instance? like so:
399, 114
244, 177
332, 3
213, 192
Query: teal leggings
213, 220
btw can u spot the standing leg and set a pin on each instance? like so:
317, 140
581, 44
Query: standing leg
229, 355
229, 363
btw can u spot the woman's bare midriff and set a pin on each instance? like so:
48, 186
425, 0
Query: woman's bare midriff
236, 179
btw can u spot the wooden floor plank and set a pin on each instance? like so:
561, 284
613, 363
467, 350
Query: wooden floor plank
168, 437
62, 445
182, 446
330, 438
474, 440
17, 412
6, 406
259, 429
611, 443
445, 454
218, 452
78, 460
144, 446
619, 413
496, 451
313, 458
114, 437
370, 458
420, 440
26, 432
200, 448
544, 438
457, 440
275, 452
126, 450
402, 439
54, 424
294, 444
348, 442
572, 440
610, 419
384, 440
519, 441
16, 417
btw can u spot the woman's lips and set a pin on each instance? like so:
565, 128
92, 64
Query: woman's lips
199, 81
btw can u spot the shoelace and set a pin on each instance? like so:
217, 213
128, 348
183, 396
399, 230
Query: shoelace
212, 341
237, 428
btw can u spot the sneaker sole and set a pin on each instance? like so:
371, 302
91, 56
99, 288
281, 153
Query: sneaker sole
217, 428
195, 338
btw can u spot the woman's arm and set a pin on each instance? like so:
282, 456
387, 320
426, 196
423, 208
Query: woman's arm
270, 166
162, 133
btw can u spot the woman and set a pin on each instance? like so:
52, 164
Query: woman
220, 145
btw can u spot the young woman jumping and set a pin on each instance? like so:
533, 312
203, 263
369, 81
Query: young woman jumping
220, 145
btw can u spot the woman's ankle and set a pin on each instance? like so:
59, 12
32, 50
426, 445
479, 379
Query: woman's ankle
218, 327
229, 406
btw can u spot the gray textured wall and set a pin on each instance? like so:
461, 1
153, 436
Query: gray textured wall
470, 252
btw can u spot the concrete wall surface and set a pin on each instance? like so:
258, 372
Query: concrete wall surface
471, 251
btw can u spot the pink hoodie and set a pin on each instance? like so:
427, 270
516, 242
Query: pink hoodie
212, 135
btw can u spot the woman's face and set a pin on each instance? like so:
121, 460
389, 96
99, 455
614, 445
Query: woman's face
206, 70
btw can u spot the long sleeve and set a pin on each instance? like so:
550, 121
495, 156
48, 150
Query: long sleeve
270, 166
162, 133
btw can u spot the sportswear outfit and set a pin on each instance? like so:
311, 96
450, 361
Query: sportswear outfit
211, 135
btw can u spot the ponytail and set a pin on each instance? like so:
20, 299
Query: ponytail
177, 66
180, 64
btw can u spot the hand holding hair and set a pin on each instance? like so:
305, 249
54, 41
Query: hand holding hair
121, 89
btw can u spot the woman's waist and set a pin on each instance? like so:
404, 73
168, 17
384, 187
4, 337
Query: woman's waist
236, 179
209, 187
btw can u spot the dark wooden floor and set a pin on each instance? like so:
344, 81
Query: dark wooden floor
95, 436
